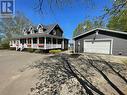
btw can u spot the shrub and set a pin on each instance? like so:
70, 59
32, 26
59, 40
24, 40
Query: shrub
37, 51
30, 50
55, 51
12, 48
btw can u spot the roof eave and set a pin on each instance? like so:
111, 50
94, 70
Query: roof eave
108, 30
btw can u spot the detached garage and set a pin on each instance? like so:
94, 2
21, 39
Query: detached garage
101, 41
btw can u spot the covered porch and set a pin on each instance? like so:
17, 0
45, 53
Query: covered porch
39, 43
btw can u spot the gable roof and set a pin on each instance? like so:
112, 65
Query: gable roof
49, 28
108, 30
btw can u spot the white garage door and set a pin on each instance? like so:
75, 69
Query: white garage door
100, 46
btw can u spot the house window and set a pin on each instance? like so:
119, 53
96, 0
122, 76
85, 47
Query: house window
54, 41
28, 32
34, 40
59, 41
54, 32
48, 40
40, 30
29, 40
23, 41
41, 40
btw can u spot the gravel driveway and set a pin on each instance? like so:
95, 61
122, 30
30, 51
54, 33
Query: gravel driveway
15, 79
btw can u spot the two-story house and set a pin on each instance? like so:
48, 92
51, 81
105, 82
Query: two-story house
45, 37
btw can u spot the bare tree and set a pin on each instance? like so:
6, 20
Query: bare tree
14, 25
117, 5
42, 4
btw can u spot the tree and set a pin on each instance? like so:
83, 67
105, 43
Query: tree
82, 27
118, 22
43, 5
117, 8
88, 25
98, 23
78, 30
14, 25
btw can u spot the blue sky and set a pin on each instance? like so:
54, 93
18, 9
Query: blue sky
67, 17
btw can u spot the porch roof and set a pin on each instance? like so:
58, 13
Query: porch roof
36, 35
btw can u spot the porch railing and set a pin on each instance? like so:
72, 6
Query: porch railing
39, 46
52, 46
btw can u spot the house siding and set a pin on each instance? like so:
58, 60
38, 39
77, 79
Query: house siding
119, 41
58, 32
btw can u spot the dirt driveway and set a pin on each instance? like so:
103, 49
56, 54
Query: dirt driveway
13, 80
17, 79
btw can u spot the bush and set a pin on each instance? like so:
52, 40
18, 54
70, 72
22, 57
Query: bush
55, 51
37, 51
4, 44
30, 50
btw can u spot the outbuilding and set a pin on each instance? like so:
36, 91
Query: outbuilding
103, 41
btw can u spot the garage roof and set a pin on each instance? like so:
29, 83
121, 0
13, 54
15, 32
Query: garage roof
112, 31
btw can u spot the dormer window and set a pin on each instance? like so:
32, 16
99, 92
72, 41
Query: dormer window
28, 32
54, 32
31, 30
24, 32
40, 28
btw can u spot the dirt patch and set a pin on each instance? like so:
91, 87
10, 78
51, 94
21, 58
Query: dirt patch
65, 74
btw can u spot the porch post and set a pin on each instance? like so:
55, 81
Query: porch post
19, 42
26, 40
45, 42
74, 46
31, 42
51, 43
56, 43
63, 44
37, 42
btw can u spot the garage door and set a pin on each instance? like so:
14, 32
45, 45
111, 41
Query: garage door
100, 46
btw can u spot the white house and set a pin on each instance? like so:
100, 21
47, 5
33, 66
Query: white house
44, 37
